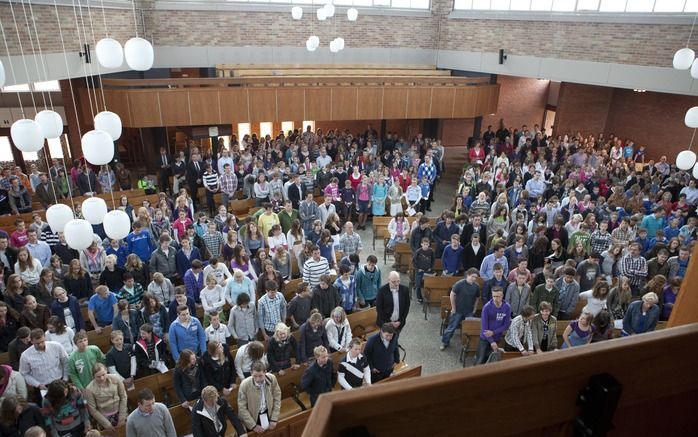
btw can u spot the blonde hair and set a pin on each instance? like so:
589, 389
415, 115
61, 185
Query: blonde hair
209, 393
281, 327
339, 311
319, 350
158, 277
650, 297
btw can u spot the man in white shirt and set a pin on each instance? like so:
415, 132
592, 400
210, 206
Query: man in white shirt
38, 249
393, 302
535, 186
216, 330
324, 160
326, 209
44, 362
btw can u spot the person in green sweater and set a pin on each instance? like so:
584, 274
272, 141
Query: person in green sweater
81, 361
547, 293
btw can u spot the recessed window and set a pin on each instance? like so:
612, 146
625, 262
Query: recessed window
48, 86
55, 147
307, 123
6, 150
19, 88
287, 126
266, 128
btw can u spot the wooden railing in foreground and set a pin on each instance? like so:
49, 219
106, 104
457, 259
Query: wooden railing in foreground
686, 307
535, 396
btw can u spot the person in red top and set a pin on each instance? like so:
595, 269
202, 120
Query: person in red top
180, 225
355, 177
405, 180
477, 154
19, 237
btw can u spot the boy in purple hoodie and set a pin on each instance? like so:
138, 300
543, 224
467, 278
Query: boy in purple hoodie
496, 316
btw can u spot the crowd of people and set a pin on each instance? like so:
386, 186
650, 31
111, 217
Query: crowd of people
186, 256
537, 224
548, 222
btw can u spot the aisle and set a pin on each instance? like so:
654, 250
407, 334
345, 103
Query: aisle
421, 338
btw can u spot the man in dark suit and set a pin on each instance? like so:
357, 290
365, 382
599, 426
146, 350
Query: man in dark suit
475, 226
8, 257
195, 172
165, 167
474, 252
388, 295
296, 191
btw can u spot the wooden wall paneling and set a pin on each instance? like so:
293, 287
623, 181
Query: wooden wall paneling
419, 102
494, 99
234, 105
145, 108
290, 104
482, 100
117, 102
344, 103
686, 307
205, 106
370, 103
262, 104
442, 102
464, 105
395, 103
174, 107
318, 104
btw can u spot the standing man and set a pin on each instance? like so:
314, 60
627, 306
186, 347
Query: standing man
350, 241
296, 191
229, 184
259, 400
38, 249
496, 257
150, 419
634, 266
496, 317
287, 216
463, 296
382, 353
194, 176
43, 363
427, 170
212, 186
186, 333
165, 165
393, 303
314, 268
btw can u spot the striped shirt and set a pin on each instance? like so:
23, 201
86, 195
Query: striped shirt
312, 270
271, 311
211, 181
44, 367
352, 372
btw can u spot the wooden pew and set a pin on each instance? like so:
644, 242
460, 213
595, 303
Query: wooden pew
435, 287
363, 323
403, 257
445, 312
103, 340
470, 337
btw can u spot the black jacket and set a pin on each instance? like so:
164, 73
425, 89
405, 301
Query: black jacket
192, 175
279, 353
202, 424
187, 389
471, 259
11, 255
217, 375
384, 305
87, 183
296, 195
142, 359
467, 233
325, 300
30, 416
317, 380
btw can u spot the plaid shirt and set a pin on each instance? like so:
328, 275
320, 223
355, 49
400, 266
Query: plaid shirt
213, 242
350, 243
635, 269
621, 236
600, 241
271, 311
229, 183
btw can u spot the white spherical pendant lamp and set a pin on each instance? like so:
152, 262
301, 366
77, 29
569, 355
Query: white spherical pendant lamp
110, 54
309, 46
333, 46
691, 118
340, 43
695, 171
685, 160
2, 74
51, 123
321, 14
297, 12
694, 69
98, 147
110, 123
683, 58
78, 234
352, 14
139, 54
58, 215
314, 41
329, 10
117, 224
94, 209
27, 135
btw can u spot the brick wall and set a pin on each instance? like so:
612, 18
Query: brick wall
521, 101
582, 108
653, 119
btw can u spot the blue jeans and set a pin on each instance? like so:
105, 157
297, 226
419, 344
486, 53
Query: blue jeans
418, 277
484, 350
453, 324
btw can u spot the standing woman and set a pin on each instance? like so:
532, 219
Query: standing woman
44, 289
241, 262
58, 332
17, 416
65, 410
210, 413
268, 273
106, 398
261, 190
155, 313
395, 195
218, 367
188, 378
77, 281
578, 332
253, 239
380, 193
28, 267
15, 292
363, 199
296, 238
231, 241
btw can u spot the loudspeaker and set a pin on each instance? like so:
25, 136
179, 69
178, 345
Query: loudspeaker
502, 56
